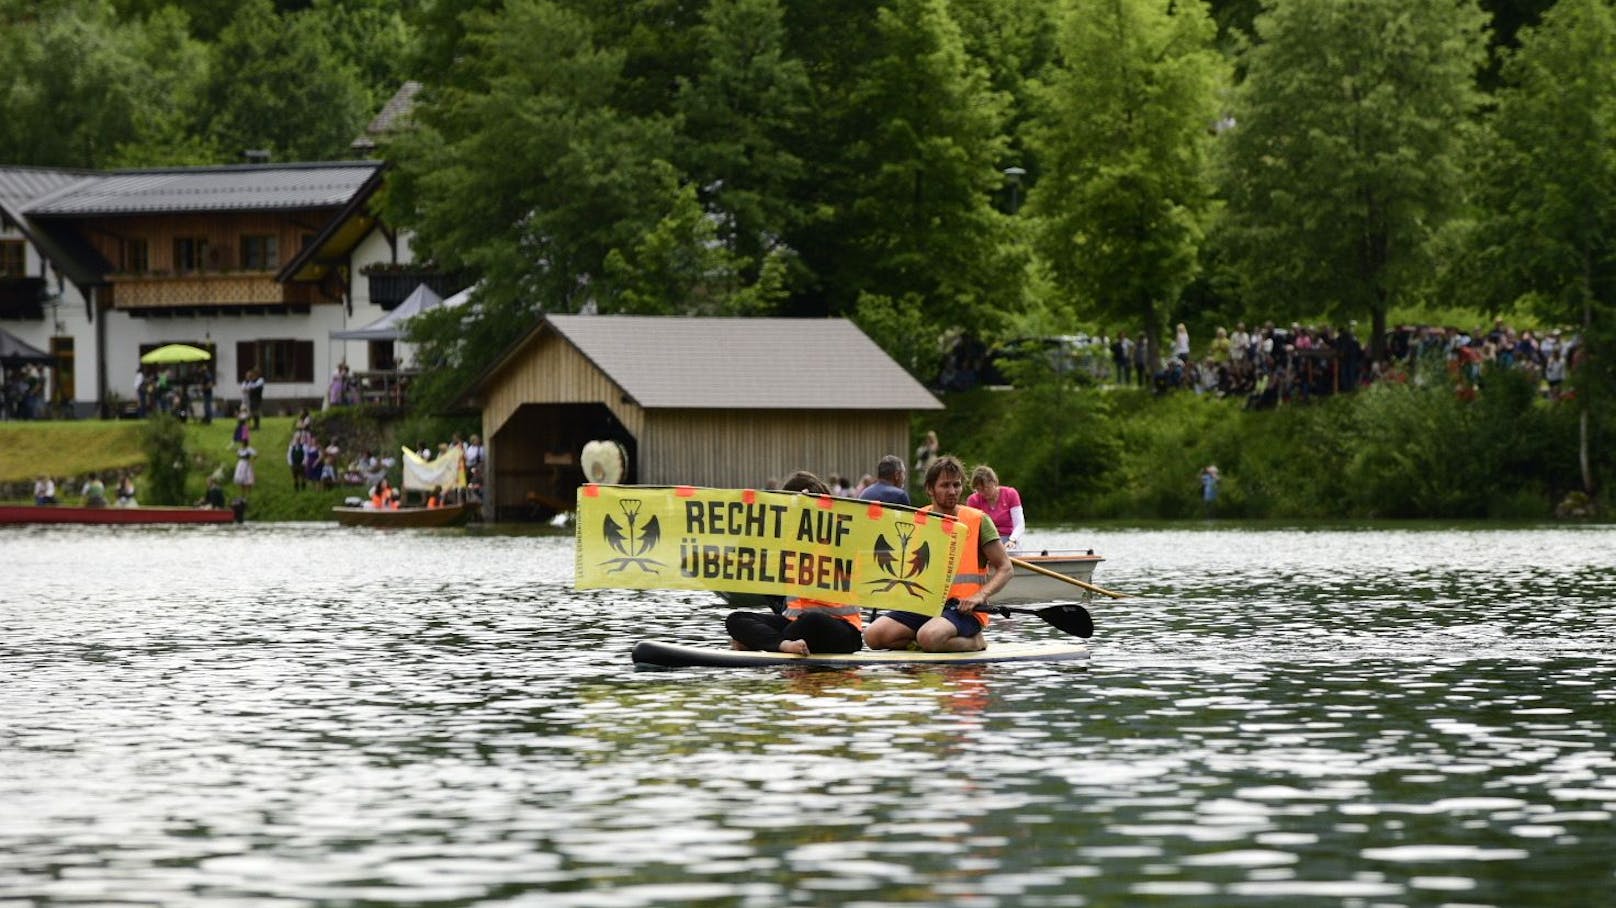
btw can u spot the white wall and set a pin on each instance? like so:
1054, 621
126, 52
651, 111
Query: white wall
125, 334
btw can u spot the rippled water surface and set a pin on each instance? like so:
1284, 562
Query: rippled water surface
299, 714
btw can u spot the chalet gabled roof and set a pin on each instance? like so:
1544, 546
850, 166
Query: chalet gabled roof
249, 187
22, 187
740, 363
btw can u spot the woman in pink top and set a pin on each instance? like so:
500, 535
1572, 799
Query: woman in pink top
1002, 504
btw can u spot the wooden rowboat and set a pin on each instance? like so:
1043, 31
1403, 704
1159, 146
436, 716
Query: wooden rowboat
28, 513
405, 518
1029, 586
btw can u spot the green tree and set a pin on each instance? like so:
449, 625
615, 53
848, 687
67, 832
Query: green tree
738, 113
371, 36
79, 89
1547, 229
1123, 138
914, 178
1346, 151
163, 438
276, 84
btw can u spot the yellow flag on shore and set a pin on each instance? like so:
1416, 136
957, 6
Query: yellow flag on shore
837, 550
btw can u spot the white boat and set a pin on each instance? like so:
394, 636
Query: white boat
1030, 586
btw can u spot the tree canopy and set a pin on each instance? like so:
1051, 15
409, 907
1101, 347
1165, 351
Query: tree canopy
1345, 150
844, 157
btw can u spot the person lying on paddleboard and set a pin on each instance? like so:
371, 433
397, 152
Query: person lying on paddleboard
959, 628
805, 626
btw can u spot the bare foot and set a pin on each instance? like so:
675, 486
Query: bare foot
800, 647
736, 644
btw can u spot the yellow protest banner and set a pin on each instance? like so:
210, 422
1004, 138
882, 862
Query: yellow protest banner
777, 543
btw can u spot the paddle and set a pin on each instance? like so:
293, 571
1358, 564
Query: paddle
1069, 617
1037, 569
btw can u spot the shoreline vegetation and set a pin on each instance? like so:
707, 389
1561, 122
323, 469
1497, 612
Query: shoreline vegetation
1075, 451
71, 449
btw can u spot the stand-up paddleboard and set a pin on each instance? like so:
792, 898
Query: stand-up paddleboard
660, 654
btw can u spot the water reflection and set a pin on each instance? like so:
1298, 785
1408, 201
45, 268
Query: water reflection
301, 714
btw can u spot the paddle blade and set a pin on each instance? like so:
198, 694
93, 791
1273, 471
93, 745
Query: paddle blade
1072, 618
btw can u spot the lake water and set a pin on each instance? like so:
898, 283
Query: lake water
299, 714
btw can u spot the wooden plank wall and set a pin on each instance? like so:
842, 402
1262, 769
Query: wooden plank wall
223, 233
743, 448
551, 371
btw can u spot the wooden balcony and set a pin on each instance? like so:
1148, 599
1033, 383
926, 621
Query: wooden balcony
206, 289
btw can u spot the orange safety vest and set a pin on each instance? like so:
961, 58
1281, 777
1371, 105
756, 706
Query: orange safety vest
432, 502
796, 608
377, 501
972, 574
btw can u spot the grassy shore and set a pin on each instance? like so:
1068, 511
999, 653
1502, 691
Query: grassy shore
70, 450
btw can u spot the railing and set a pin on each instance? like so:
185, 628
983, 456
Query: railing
380, 389
205, 288
389, 288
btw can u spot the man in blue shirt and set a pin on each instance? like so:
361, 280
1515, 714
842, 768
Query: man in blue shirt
889, 482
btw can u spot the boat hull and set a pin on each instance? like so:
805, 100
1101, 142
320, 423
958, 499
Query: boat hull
404, 518
1028, 587
26, 513
661, 654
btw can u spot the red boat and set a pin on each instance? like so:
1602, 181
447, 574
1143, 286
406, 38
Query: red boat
28, 513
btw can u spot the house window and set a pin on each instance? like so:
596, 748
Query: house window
278, 360
259, 253
136, 258
190, 253
13, 260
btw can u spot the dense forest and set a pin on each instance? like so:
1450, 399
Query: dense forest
929, 168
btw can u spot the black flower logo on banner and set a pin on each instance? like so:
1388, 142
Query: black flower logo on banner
891, 561
632, 541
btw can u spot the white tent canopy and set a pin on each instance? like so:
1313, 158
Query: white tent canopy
391, 325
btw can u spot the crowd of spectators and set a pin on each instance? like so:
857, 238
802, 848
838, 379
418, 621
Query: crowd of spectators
22, 392
1268, 365
1272, 365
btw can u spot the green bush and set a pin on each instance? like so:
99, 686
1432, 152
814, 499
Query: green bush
162, 437
1432, 448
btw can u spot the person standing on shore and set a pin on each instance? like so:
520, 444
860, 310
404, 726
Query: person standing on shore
1209, 488
244, 477
252, 395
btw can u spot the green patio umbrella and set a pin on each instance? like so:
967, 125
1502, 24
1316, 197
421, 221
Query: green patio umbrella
176, 353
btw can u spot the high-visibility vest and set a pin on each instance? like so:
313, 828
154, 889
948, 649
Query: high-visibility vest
796, 608
972, 574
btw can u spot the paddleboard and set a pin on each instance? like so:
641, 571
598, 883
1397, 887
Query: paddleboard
661, 654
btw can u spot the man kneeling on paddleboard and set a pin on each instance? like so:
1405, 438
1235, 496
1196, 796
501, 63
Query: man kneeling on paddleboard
806, 626
959, 628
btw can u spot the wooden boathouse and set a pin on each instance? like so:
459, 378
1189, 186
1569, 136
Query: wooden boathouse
718, 402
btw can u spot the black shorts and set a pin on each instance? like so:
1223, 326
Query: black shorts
964, 625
